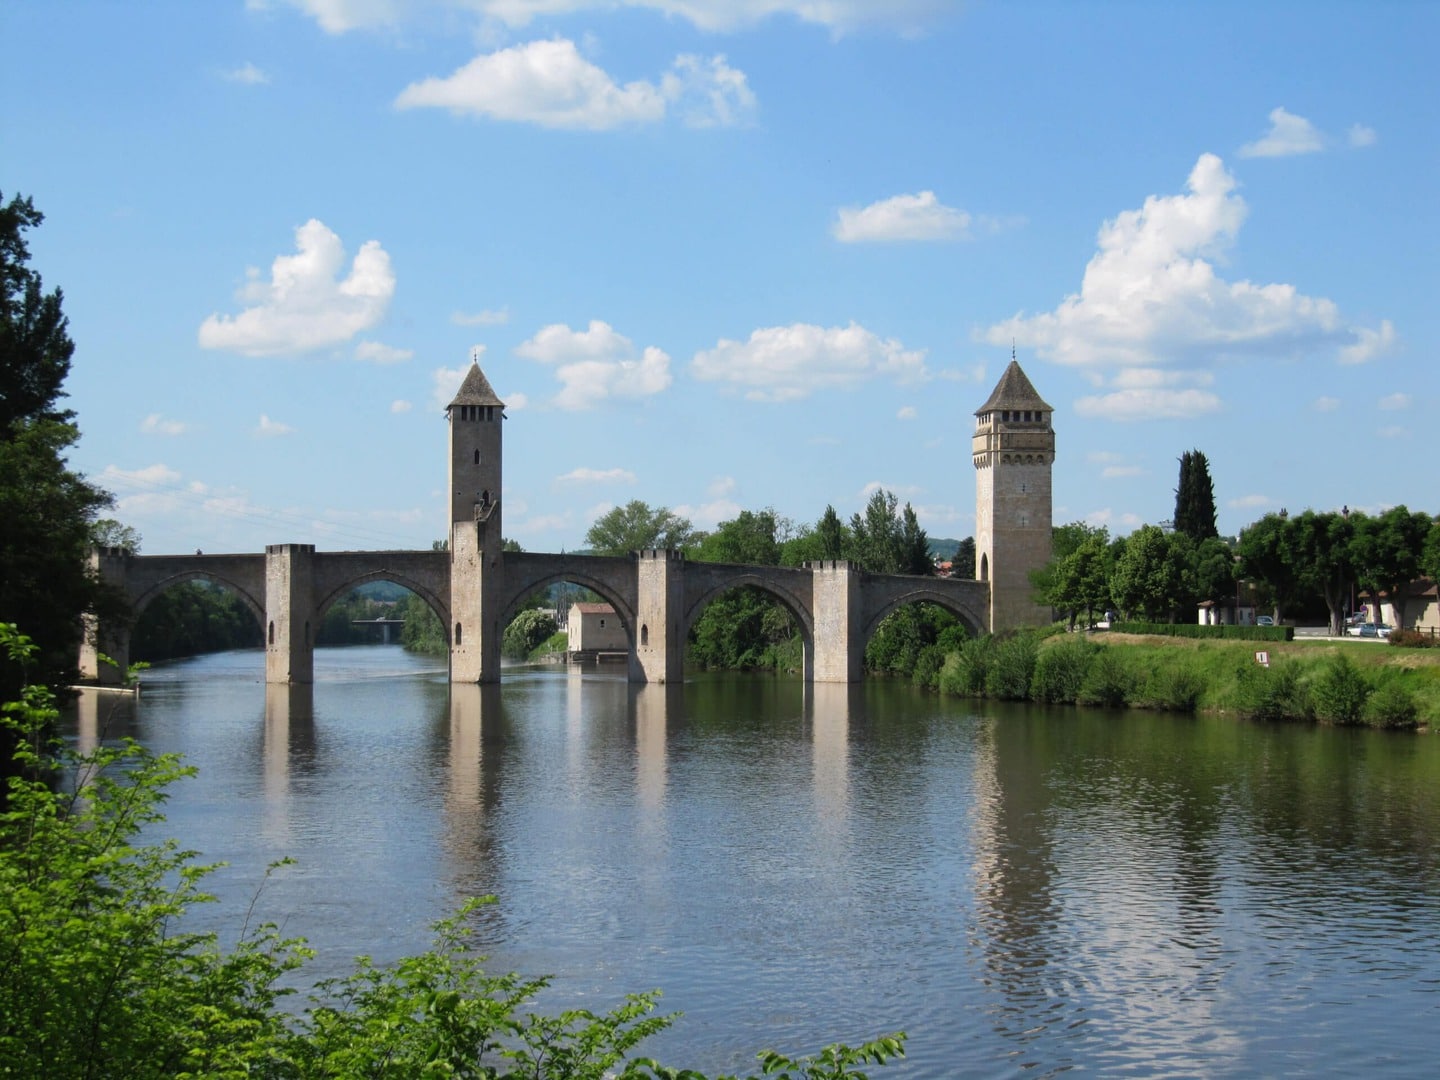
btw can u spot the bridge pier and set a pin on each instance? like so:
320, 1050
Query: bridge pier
111, 565
839, 643
289, 591
477, 579
659, 655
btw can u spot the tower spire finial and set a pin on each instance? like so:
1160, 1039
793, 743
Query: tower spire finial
476, 351
1012, 348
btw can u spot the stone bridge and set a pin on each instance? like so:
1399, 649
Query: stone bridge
657, 596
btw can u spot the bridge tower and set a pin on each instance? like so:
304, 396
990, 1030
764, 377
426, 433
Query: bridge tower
477, 562
1013, 450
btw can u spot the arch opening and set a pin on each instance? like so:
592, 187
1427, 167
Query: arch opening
913, 636
191, 615
747, 626
566, 618
384, 608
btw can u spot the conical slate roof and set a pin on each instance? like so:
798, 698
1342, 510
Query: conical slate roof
1013, 391
475, 390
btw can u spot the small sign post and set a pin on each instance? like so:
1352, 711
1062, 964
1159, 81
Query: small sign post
1262, 658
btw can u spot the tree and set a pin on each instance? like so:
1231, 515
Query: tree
637, 527
963, 562
1323, 546
1148, 575
749, 539
47, 512
831, 531
1267, 558
887, 541
1389, 553
1430, 552
107, 532
1195, 498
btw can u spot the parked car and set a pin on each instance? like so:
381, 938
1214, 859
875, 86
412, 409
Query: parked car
1382, 630
1264, 620
1365, 630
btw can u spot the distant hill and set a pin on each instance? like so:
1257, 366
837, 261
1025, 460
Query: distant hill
943, 548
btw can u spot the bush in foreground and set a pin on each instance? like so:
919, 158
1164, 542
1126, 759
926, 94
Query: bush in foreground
100, 981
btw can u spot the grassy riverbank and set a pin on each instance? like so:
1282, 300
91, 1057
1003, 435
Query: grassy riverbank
1343, 682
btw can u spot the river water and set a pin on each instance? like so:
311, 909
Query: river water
1022, 890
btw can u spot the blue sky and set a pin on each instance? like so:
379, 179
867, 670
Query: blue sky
729, 254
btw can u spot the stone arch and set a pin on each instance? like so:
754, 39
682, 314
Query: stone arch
440, 607
974, 620
799, 609
139, 601
602, 588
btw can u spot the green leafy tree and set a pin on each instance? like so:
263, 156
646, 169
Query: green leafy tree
1430, 552
527, 632
886, 540
1148, 575
47, 512
107, 532
751, 539
834, 541
963, 562
637, 526
1325, 548
191, 618
1269, 559
1195, 498
1389, 554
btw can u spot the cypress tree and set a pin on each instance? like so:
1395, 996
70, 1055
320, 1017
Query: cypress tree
1195, 498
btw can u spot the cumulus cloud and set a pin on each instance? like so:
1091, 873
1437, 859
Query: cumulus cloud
400, 405
377, 353
1150, 298
1288, 135
1392, 402
445, 384
269, 429
596, 364
155, 424
597, 476
1148, 405
306, 304
1116, 472
905, 16
907, 412
550, 84
1361, 136
707, 515
784, 363
246, 74
481, 318
1326, 404
901, 217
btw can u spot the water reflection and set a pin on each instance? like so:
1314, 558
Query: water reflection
1019, 889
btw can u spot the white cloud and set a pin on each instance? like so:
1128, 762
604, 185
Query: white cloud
1393, 431
1361, 136
550, 84
1369, 344
1326, 404
247, 74
400, 405
306, 305
1114, 472
1289, 134
596, 364
268, 428
597, 476
710, 514
721, 486
155, 424
1150, 297
377, 353
1148, 405
906, 412
905, 16
1250, 502
784, 363
1392, 402
901, 217
444, 385
903, 492
481, 318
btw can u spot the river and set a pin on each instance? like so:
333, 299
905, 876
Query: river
1022, 890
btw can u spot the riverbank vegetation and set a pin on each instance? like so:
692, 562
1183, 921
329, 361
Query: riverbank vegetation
104, 977
1345, 683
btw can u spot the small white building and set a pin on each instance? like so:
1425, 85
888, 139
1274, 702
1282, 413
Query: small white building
594, 628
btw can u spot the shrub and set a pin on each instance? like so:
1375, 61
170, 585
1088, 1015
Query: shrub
927, 666
965, 671
1393, 707
1414, 639
1012, 668
1060, 671
1338, 693
1107, 682
1175, 688
527, 632
1271, 693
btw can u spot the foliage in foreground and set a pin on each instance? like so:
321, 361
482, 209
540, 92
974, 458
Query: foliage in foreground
101, 979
